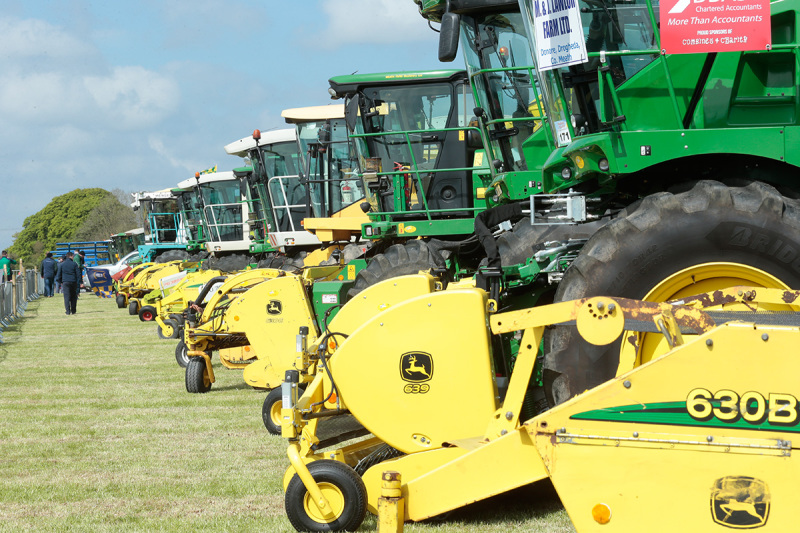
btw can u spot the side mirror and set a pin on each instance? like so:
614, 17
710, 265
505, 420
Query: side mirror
351, 112
448, 37
474, 140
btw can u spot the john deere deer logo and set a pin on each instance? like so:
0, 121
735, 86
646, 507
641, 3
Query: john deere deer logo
274, 307
740, 502
416, 367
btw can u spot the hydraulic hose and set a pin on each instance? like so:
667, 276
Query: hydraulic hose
490, 218
207, 288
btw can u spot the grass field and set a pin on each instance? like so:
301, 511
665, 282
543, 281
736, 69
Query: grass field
99, 434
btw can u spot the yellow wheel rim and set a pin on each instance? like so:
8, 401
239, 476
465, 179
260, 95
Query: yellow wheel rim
335, 499
206, 377
706, 277
167, 331
275, 413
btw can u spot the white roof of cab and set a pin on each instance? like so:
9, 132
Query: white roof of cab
155, 195
217, 176
313, 113
151, 195
187, 184
241, 146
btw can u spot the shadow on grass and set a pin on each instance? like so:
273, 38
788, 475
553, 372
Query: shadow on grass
537, 500
239, 386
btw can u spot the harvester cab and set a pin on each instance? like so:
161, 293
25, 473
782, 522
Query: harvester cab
417, 148
165, 232
222, 207
190, 205
274, 191
225, 213
126, 242
334, 193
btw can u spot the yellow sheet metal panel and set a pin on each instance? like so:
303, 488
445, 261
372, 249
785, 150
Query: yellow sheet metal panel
494, 468
410, 467
379, 298
428, 358
700, 439
271, 314
238, 357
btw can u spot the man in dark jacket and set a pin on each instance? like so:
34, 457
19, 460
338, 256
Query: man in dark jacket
69, 276
48, 270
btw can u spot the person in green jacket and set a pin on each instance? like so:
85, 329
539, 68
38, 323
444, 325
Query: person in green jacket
80, 260
5, 266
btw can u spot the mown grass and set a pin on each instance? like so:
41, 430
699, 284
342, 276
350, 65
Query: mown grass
97, 433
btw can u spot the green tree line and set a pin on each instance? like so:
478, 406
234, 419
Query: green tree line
79, 215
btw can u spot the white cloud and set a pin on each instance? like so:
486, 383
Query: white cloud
134, 97
24, 39
373, 21
42, 97
158, 146
50, 76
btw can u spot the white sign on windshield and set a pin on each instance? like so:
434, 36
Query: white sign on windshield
559, 33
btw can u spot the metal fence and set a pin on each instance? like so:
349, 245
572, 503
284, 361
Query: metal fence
23, 287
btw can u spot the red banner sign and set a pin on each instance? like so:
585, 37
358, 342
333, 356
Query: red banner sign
702, 26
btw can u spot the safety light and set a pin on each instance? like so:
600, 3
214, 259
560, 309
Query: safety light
603, 164
566, 173
503, 52
236, 318
257, 135
332, 400
368, 231
331, 345
601, 513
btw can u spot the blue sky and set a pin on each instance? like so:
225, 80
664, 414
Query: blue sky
138, 95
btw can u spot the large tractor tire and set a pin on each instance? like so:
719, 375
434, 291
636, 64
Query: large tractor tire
668, 246
343, 489
284, 262
229, 263
197, 378
525, 239
397, 260
172, 255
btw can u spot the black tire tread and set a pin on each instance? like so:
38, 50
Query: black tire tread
172, 255
337, 473
660, 235
272, 396
195, 371
180, 354
398, 260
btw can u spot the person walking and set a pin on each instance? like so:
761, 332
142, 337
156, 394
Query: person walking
68, 275
48, 270
80, 260
58, 283
5, 266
